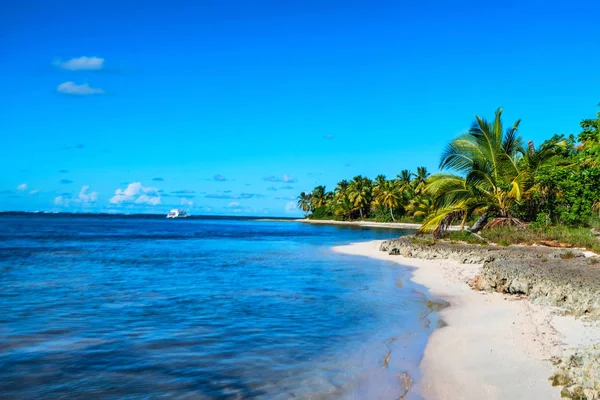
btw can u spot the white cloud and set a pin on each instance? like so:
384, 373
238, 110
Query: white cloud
187, 202
234, 204
22, 187
87, 197
84, 197
290, 207
145, 199
286, 178
81, 63
136, 193
84, 89
61, 201
34, 191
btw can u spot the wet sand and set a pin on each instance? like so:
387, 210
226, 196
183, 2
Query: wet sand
494, 346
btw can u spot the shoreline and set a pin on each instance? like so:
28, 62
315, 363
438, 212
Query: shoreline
368, 224
495, 345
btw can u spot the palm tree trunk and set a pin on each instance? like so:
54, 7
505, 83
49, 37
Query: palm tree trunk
481, 222
392, 214
463, 222
361, 215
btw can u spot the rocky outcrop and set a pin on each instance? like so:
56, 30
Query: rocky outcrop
579, 373
554, 277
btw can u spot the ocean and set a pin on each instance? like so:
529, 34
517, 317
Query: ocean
144, 307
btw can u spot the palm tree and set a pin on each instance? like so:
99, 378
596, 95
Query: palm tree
379, 180
486, 159
304, 202
404, 179
341, 188
420, 207
420, 181
359, 193
343, 206
318, 197
386, 194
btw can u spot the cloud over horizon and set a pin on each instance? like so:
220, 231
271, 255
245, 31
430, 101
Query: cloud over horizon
136, 193
286, 178
84, 197
219, 178
80, 64
84, 89
234, 196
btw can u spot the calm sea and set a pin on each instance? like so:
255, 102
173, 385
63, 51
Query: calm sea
126, 307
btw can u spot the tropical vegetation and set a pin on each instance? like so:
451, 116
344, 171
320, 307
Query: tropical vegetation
489, 178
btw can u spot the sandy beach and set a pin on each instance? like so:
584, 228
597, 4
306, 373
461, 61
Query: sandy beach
494, 346
390, 225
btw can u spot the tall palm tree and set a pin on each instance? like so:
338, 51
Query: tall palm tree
489, 179
341, 188
387, 195
420, 207
318, 197
304, 202
379, 180
404, 179
420, 181
359, 193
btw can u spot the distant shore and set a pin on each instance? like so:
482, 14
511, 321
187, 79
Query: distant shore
496, 345
370, 224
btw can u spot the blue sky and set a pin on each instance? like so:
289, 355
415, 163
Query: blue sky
234, 107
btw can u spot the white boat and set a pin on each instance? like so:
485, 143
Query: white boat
177, 213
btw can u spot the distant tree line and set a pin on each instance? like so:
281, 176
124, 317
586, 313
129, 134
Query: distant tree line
489, 176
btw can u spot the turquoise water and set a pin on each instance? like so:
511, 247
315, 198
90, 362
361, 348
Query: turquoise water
127, 307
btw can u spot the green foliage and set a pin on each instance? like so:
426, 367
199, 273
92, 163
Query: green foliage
564, 195
320, 213
463, 236
485, 161
578, 237
381, 214
496, 180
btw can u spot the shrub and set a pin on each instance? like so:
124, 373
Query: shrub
464, 236
576, 237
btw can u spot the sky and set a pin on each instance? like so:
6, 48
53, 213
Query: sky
234, 107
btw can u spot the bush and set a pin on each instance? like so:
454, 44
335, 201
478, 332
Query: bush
575, 237
381, 214
464, 236
320, 213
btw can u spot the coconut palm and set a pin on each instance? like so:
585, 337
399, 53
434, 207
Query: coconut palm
304, 202
420, 181
318, 197
341, 188
486, 159
359, 193
404, 180
379, 180
387, 195
420, 207
343, 206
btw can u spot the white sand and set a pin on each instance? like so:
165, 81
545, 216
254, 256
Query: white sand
392, 225
494, 346
370, 224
